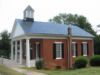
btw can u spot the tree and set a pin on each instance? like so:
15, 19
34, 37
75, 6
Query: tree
79, 20
5, 44
97, 44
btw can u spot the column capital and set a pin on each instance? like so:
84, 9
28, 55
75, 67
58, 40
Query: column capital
28, 38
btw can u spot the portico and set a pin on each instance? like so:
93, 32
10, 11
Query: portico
21, 51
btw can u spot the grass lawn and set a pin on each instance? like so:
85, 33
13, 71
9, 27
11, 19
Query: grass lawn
6, 71
84, 71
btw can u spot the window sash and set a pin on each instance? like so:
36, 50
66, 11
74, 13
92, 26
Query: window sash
84, 49
74, 49
58, 50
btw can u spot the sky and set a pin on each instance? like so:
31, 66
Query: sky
46, 9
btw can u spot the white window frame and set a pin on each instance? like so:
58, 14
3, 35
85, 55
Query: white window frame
74, 51
58, 45
84, 48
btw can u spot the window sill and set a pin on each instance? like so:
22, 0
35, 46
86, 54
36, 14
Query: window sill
74, 56
58, 58
84, 55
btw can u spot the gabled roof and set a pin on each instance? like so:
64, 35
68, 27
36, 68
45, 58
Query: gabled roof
29, 8
24, 27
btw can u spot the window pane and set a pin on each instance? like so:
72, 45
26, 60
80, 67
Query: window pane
58, 54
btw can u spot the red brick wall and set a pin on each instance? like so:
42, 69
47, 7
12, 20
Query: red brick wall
47, 51
90, 48
48, 54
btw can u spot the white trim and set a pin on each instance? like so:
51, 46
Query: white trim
27, 52
84, 42
16, 57
59, 58
74, 56
58, 50
74, 43
41, 36
84, 55
58, 42
20, 52
84, 51
82, 38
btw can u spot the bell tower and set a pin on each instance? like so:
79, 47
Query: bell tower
29, 13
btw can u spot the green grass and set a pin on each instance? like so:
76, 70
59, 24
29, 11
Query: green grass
7, 71
84, 71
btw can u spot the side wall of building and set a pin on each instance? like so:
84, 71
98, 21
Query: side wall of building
46, 50
53, 63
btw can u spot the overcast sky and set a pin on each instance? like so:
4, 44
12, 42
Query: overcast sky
46, 9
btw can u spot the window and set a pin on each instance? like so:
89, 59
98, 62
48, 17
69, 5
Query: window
29, 14
74, 49
84, 48
58, 50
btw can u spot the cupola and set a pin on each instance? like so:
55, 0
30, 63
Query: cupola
29, 13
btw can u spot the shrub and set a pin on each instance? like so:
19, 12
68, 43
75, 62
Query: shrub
81, 62
95, 60
39, 64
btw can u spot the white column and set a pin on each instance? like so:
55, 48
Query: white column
27, 52
20, 59
16, 51
12, 51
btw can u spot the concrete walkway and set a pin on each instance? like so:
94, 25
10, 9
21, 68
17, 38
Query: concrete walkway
28, 72
15, 66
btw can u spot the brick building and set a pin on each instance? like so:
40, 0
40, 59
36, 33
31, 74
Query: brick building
32, 40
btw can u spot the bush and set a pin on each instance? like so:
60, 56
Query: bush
81, 62
39, 64
95, 60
